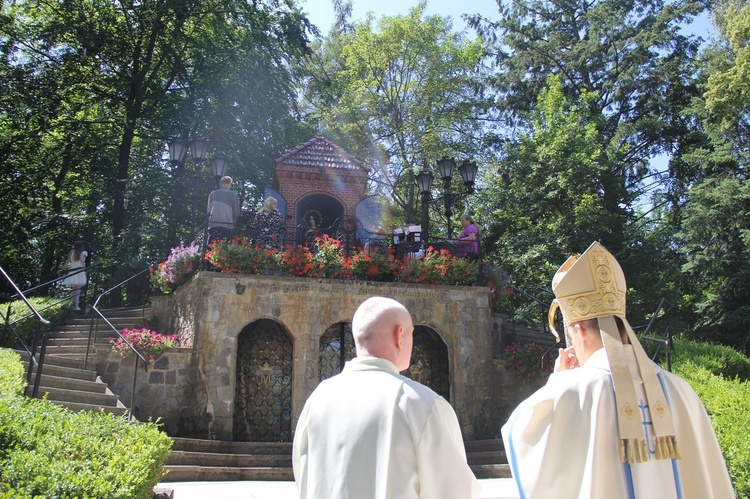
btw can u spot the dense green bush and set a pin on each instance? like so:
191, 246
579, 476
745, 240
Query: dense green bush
11, 379
25, 323
727, 402
49, 451
721, 360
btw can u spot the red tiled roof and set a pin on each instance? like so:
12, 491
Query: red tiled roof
318, 152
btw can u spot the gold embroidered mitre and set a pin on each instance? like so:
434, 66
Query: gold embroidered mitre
593, 287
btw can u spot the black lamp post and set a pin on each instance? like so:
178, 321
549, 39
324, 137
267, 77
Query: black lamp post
177, 154
446, 168
424, 182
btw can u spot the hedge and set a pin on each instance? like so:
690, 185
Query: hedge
714, 372
48, 451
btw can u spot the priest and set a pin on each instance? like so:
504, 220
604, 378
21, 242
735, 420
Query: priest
610, 423
370, 433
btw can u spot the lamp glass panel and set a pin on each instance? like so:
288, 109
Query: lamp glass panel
446, 167
219, 164
424, 181
177, 150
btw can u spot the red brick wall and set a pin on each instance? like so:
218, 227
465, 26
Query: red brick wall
297, 182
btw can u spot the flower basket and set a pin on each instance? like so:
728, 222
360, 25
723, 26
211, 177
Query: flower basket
180, 266
149, 344
328, 257
441, 267
240, 256
372, 266
298, 261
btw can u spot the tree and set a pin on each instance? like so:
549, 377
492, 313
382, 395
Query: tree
94, 90
714, 239
629, 55
399, 96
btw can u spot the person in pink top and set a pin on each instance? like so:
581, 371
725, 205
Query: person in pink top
468, 239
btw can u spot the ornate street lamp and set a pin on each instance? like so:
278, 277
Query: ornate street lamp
178, 149
446, 168
219, 165
424, 182
468, 171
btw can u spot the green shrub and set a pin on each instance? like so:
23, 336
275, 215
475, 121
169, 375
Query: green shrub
721, 360
727, 402
12, 380
48, 451
23, 320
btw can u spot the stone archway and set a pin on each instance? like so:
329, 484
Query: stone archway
263, 389
429, 361
335, 347
429, 358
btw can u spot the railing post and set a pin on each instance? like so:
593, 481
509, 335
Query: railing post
38, 377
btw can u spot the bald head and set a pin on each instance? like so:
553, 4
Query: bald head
382, 327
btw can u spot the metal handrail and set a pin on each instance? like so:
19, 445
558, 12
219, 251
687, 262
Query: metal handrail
40, 321
96, 315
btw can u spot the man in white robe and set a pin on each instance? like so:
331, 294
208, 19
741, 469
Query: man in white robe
370, 433
609, 423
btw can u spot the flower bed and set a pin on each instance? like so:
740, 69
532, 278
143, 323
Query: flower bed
325, 259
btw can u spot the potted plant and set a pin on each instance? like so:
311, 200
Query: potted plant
149, 344
240, 256
328, 257
179, 267
372, 265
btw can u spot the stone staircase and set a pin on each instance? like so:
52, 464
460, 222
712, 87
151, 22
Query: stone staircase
64, 379
212, 460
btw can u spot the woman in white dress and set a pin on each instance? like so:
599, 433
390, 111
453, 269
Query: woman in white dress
76, 261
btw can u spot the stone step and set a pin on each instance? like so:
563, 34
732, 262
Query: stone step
183, 458
63, 395
222, 474
497, 457
65, 383
63, 371
491, 470
218, 446
213, 460
489, 445
119, 410
55, 360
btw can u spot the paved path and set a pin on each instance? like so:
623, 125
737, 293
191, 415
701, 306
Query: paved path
492, 488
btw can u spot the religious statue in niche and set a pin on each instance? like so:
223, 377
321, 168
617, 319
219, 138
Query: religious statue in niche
312, 220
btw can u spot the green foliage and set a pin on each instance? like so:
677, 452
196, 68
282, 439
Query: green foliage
92, 91
48, 451
727, 91
719, 360
399, 93
716, 245
12, 381
727, 402
25, 323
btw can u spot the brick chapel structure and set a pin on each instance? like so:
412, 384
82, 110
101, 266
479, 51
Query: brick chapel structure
319, 184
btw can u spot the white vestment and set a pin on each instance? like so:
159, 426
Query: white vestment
370, 433
563, 442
